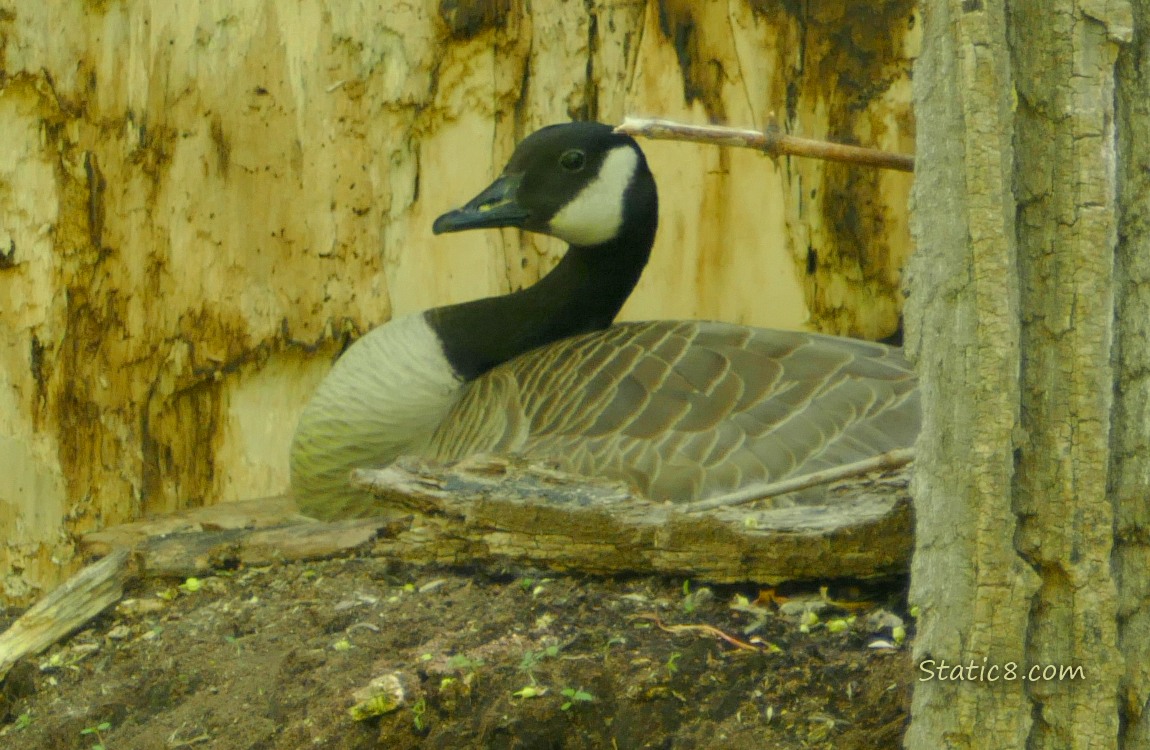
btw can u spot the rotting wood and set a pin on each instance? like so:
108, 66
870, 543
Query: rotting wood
497, 512
493, 512
80, 598
246, 514
189, 550
769, 141
230, 535
197, 553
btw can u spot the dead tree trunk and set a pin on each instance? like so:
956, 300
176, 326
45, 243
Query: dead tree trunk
1129, 489
1033, 370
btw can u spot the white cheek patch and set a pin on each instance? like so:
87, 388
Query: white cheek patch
595, 215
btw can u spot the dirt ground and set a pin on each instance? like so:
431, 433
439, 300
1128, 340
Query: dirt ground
273, 658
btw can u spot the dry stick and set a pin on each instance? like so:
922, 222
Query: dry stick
708, 629
771, 142
882, 462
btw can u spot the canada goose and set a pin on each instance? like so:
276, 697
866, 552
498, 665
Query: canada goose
684, 410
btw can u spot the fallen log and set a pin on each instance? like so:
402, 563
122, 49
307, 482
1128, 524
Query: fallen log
495, 513
260, 513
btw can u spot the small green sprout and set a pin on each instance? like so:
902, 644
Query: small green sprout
574, 696
688, 600
672, 666
418, 711
98, 730
532, 659
529, 661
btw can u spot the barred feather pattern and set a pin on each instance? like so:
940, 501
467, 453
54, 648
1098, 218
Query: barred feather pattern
687, 410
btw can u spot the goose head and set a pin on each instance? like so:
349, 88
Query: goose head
579, 181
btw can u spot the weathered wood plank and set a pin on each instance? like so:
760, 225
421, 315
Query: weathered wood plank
80, 598
197, 553
494, 512
246, 514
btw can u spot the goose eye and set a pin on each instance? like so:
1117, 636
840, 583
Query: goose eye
573, 160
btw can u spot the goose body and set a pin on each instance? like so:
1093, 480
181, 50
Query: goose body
683, 410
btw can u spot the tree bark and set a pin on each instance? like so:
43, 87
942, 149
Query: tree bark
1012, 321
1129, 486
1064, 56
970, 585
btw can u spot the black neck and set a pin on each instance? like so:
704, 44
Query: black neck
583, 293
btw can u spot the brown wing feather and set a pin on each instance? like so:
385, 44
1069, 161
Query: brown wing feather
686, 410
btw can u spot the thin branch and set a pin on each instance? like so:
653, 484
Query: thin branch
708, 629
771, 142
883, 462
